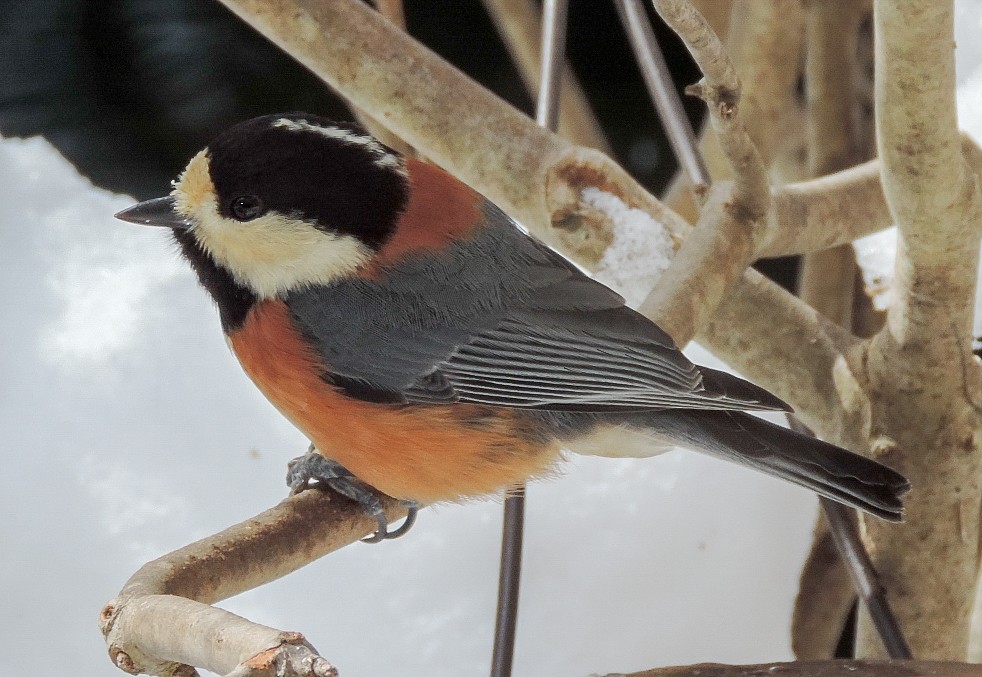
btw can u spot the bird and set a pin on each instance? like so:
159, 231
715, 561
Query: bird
430, 348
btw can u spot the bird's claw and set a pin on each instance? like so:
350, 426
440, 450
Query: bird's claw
313, 466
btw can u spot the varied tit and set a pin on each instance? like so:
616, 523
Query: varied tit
431, 349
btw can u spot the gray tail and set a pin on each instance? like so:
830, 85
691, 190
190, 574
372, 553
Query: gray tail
824, 468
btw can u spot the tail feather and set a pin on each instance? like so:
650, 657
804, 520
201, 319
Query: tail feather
829, 470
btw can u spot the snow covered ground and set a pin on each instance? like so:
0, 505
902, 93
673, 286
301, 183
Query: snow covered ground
128, 430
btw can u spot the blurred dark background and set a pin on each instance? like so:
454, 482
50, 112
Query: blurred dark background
128, 90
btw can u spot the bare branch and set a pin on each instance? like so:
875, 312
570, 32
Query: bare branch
835, 209
767, 53
827, 211
733, 218
923, 380
824, 601
161, 621
765, 47
932, 193
700, 276
828, 278
817, 669
393, 11
827, 282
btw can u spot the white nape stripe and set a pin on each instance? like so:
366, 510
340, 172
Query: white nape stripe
383, 158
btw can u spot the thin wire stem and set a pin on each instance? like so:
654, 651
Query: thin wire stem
658, 80
555, 13
509, 581
554, 17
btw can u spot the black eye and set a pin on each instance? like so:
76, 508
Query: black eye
247, 207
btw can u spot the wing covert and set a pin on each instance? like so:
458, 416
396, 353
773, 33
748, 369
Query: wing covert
502, 320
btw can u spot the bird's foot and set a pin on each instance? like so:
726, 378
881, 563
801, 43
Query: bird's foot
312, 466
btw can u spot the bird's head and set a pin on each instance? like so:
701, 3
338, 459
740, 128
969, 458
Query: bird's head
282, 202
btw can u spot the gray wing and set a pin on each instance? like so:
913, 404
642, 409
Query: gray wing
504, 321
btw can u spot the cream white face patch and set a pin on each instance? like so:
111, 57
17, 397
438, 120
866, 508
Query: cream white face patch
271, 254
383, 158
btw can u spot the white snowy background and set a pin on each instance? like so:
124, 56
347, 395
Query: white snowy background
128, 430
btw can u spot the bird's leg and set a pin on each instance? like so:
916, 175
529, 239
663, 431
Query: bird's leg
314, 466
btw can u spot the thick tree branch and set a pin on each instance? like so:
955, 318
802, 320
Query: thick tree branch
922, 379
835, 209
827, 211
932, 193
394, 12
801, 360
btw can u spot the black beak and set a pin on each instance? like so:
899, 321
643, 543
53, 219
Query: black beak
156, 212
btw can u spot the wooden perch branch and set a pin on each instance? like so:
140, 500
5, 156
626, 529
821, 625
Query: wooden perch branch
817, 669
932, 193
766, 52
394, 12
161, 624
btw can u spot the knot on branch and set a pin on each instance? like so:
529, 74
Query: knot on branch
722, 101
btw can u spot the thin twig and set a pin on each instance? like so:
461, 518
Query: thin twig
734, 215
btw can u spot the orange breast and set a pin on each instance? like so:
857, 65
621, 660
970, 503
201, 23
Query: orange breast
423, 452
